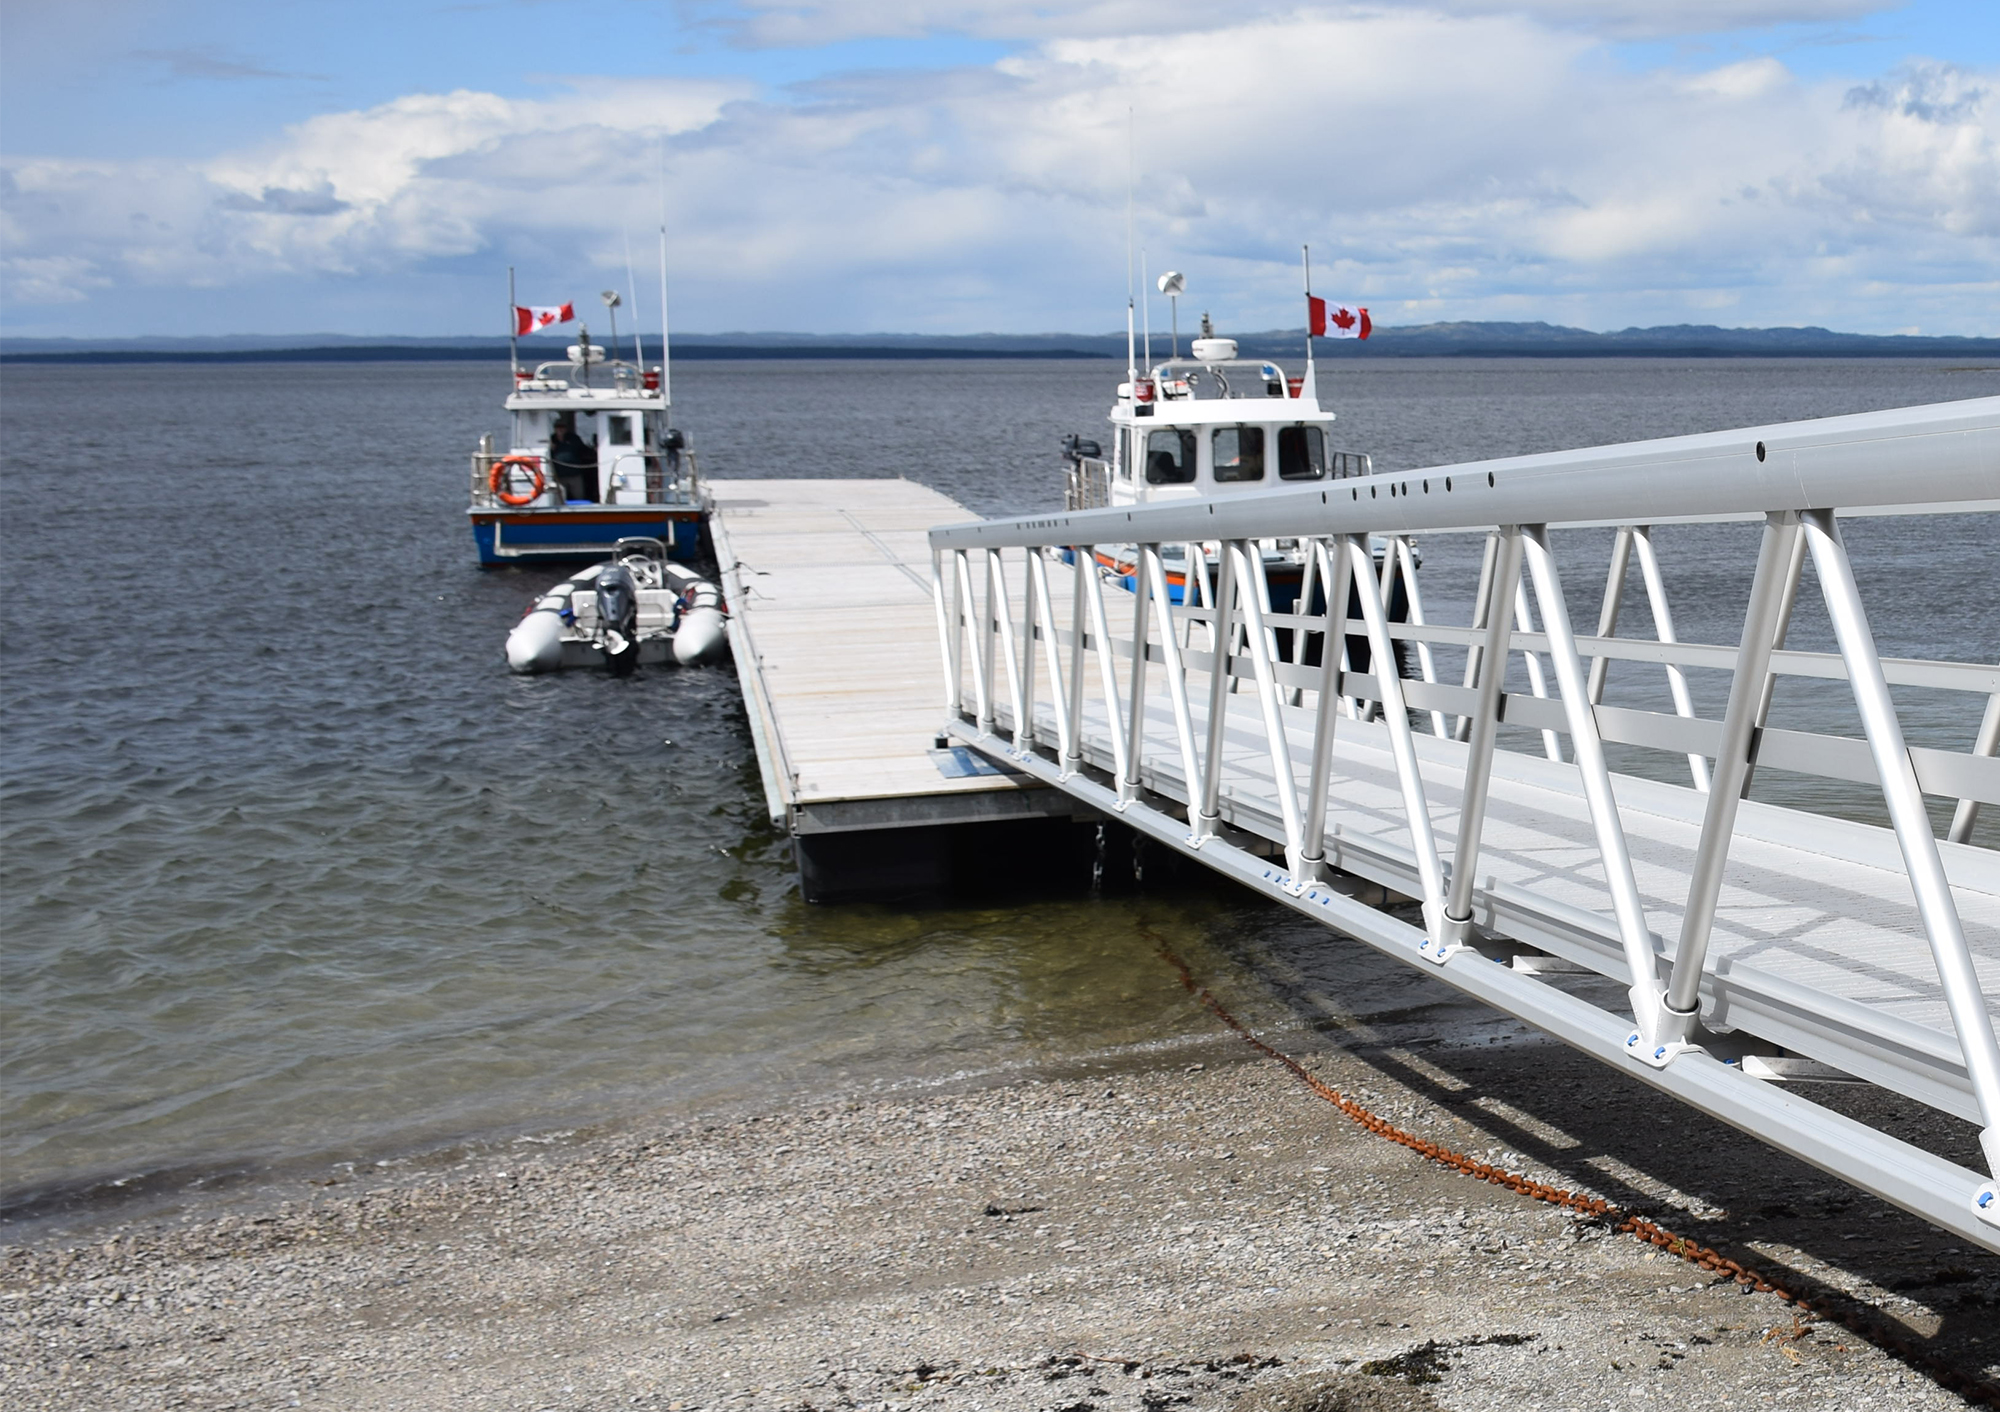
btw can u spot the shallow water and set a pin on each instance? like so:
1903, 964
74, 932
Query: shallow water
293, 870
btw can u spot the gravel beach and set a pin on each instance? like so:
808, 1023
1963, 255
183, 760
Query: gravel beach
1187, 1229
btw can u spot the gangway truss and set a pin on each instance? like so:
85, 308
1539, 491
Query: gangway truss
1711, 944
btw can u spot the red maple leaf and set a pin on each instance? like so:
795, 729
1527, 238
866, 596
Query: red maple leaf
1343, 318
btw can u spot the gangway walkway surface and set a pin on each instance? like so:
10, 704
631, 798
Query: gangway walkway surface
831, 623
1710, 944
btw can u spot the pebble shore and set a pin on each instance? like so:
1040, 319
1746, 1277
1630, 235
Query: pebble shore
1203, 1233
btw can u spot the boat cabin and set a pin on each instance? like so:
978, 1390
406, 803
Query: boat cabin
599, 429
1210, 425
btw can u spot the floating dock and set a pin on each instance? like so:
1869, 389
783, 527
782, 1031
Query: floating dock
834, 626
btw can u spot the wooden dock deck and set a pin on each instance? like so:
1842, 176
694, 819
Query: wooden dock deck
834, 632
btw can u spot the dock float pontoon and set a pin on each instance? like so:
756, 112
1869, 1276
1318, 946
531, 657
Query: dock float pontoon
832, 626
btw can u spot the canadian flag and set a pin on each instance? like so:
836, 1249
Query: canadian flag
528, 320
1337, 322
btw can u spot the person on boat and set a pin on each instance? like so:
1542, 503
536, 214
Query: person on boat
574, 460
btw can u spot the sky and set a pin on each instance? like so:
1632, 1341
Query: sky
373, 167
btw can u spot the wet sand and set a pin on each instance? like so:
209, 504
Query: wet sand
1203, 1233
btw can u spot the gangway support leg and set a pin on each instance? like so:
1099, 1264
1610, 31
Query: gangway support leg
1641, 958
1614, 600
1038, 564
1135, 735
982, 697
1003, 623
1406, 565
1072, 759
944, 634
1479, 752
1208, 817
1663, 629
1176, 668
1913, 832
1732, 764
1331, 555
1402, 745
1986, 743
1482, 610
1107, 669
1251, 585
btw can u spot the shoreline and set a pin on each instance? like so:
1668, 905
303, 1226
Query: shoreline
1199, 1230
84, 1208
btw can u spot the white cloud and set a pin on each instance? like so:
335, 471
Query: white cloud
803, 23
1465, 164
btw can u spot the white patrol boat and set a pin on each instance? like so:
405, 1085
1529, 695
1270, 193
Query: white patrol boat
589, 460
638, 609
1211, 424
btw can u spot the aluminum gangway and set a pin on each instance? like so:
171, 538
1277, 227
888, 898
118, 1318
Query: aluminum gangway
1711, 944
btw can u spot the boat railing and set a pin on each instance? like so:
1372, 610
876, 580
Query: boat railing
1341, 465
1089, 485
1235, 379
650, 473
626, 377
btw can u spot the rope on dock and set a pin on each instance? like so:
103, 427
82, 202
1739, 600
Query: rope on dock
1842, 1311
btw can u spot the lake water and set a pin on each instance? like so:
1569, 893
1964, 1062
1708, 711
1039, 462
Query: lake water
295, 872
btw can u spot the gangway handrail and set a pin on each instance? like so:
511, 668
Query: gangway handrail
1352, 538
1913, 460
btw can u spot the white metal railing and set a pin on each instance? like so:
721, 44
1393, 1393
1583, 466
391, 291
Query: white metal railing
1089, 485
998, 611
630, 470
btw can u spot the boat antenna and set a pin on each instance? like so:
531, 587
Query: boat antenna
632, 288
513, 330
1310, 387
1131, 353
1146, 313
666, 374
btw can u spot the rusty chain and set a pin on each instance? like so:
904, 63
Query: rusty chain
1972, 1388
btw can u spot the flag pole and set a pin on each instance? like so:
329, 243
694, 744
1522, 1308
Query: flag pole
632, 289
513, 329
666, 366
1310, 387
1131, 354
1147, 310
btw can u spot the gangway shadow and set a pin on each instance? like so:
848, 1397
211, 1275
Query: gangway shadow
1584, 1125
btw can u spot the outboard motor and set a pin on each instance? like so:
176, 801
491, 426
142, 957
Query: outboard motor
618, 618
1075, 449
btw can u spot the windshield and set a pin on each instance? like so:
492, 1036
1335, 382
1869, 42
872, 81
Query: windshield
1239, 454
1301, 453
1169, 457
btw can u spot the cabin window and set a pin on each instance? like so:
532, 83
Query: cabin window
1169, 457
1239, 453
1301, 453
618, 429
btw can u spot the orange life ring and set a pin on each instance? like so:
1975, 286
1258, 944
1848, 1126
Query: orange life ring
499, 477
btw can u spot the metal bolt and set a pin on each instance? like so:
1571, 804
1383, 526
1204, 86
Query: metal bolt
1985, 1199
1660, 1053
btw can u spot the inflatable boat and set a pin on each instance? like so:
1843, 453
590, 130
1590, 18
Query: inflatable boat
638, 608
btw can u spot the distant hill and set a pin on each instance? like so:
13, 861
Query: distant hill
1464, 340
